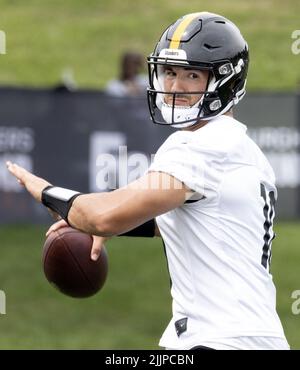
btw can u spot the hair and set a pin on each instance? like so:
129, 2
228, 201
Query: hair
131, 64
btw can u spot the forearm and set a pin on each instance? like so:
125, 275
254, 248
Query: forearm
116, 212
108, 214
91, 213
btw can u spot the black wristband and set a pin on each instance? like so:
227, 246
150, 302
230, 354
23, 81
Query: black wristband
59, 200
146, 230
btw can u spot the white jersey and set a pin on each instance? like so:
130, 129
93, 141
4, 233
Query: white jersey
219, 248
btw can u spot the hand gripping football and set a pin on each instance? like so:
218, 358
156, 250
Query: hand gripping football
68, 266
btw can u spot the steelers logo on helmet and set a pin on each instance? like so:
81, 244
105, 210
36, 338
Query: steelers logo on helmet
202, 43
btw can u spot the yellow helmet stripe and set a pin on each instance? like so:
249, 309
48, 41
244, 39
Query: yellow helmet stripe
181, 28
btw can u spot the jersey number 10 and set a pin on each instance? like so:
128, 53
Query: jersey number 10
269, 213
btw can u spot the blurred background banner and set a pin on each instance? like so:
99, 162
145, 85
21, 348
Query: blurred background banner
80, 140
86, 140
273, 121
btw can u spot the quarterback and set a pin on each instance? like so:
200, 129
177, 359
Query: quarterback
216, 214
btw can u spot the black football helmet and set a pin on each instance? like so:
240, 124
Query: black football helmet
204, 41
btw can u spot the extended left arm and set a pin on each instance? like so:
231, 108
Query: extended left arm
116, 212
121, 210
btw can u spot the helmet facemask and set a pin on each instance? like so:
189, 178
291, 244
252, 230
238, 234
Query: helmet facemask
177, 108
216, 99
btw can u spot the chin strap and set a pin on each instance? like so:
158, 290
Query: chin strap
175, 115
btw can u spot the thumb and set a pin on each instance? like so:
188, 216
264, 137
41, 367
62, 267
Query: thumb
96, 247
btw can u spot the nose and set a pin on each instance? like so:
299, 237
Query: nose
178, 85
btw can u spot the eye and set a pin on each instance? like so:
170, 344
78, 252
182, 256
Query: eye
194, 75
169, 73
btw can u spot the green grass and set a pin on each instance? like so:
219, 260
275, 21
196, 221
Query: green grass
43, 38
134, 306
130, 312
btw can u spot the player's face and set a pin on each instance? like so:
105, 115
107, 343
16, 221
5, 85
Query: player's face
183, 80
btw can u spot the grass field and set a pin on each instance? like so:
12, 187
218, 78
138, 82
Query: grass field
132, 309
43, 38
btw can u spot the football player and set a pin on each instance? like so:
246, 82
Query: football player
213, 199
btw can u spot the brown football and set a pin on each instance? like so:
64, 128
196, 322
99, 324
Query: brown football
68, 266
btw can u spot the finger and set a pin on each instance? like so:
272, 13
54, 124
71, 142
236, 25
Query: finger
96, 247
17, 171
58, 225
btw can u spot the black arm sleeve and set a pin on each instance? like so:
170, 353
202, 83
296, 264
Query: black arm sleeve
146, 230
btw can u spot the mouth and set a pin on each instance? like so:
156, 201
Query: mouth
178, 101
